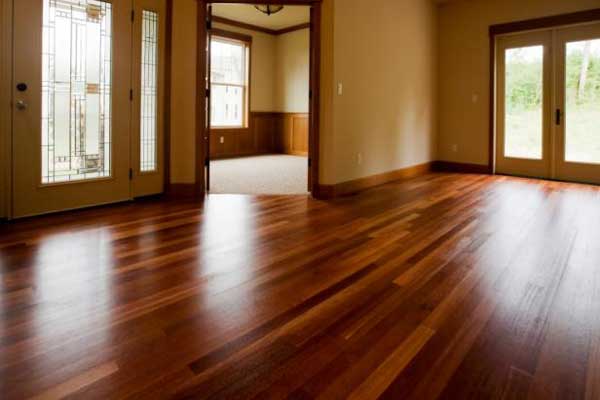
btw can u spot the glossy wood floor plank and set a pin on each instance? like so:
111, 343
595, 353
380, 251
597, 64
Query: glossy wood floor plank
444, 286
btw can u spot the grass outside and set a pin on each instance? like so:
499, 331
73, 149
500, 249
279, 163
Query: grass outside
524, 137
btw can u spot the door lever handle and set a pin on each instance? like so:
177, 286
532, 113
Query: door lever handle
21, 105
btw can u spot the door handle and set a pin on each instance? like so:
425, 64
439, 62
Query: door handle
21, 105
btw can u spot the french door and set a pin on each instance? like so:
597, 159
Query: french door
86, 103
548, 104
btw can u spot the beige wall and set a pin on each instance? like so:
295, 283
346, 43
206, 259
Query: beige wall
464, 68
262, 95
385, 57
292, 71
183, 93
327, 150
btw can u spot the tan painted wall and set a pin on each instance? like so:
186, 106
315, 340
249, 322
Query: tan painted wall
262, 68
292, 71
183, 93
327, 150
464, 68
385, 55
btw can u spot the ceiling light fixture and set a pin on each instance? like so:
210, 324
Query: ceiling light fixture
268, 9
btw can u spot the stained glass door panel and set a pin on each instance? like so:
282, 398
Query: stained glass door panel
76, 90
148, 97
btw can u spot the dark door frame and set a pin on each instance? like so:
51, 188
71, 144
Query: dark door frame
315, 84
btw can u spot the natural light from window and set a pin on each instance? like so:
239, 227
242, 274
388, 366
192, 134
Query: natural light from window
229, 60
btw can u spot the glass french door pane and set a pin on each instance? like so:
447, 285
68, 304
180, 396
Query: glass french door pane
523, 126
149, 87
76, 90
582, 102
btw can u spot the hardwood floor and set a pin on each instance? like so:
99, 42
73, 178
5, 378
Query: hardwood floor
446, 286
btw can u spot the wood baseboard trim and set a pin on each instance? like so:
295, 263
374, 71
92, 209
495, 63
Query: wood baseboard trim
358, 185
465, 168
183, 191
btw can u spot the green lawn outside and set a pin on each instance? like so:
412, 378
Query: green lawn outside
523, 134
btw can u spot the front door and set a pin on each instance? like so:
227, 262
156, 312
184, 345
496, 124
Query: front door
87, 121
71, 105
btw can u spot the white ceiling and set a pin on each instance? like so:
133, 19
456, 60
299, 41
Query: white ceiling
289, 16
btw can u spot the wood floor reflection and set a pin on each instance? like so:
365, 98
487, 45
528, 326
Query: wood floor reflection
446, 286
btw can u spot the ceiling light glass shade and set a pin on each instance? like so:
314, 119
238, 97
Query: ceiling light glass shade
269, 9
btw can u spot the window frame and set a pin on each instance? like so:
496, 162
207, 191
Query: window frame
246, 42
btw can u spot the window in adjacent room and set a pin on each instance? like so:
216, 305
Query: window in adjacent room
229, 82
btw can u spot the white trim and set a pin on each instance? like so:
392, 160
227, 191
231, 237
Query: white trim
5, 107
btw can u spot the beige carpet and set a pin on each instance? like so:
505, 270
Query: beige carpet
268, 174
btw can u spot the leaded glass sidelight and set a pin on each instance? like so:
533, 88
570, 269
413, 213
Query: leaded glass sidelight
149, 84
76, 90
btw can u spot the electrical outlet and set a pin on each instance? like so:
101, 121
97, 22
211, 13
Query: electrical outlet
359, 158
340, 89
222, 139
454, 148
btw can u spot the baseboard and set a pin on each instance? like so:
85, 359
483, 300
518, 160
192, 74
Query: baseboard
465, 168
183, 191
358, 185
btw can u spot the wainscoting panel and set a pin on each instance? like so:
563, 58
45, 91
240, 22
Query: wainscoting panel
267, 133
293, 138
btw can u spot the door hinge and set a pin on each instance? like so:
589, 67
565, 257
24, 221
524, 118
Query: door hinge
558, 116
310, 94
207, 162
208, 24
130, 174
309, 162
130, 94
132, 15
207, 93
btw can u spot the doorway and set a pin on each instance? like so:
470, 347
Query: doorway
263, 139
548, 103
259, 99
87, 94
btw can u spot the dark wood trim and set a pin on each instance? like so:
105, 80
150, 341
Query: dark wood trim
293, 28
546, 22
243, 25
315, 81
167, 101
553, 21
231, 35
201, 134
492, 106
184, 191
361, 184
449, 166
314, 121
258, 28
284, 2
